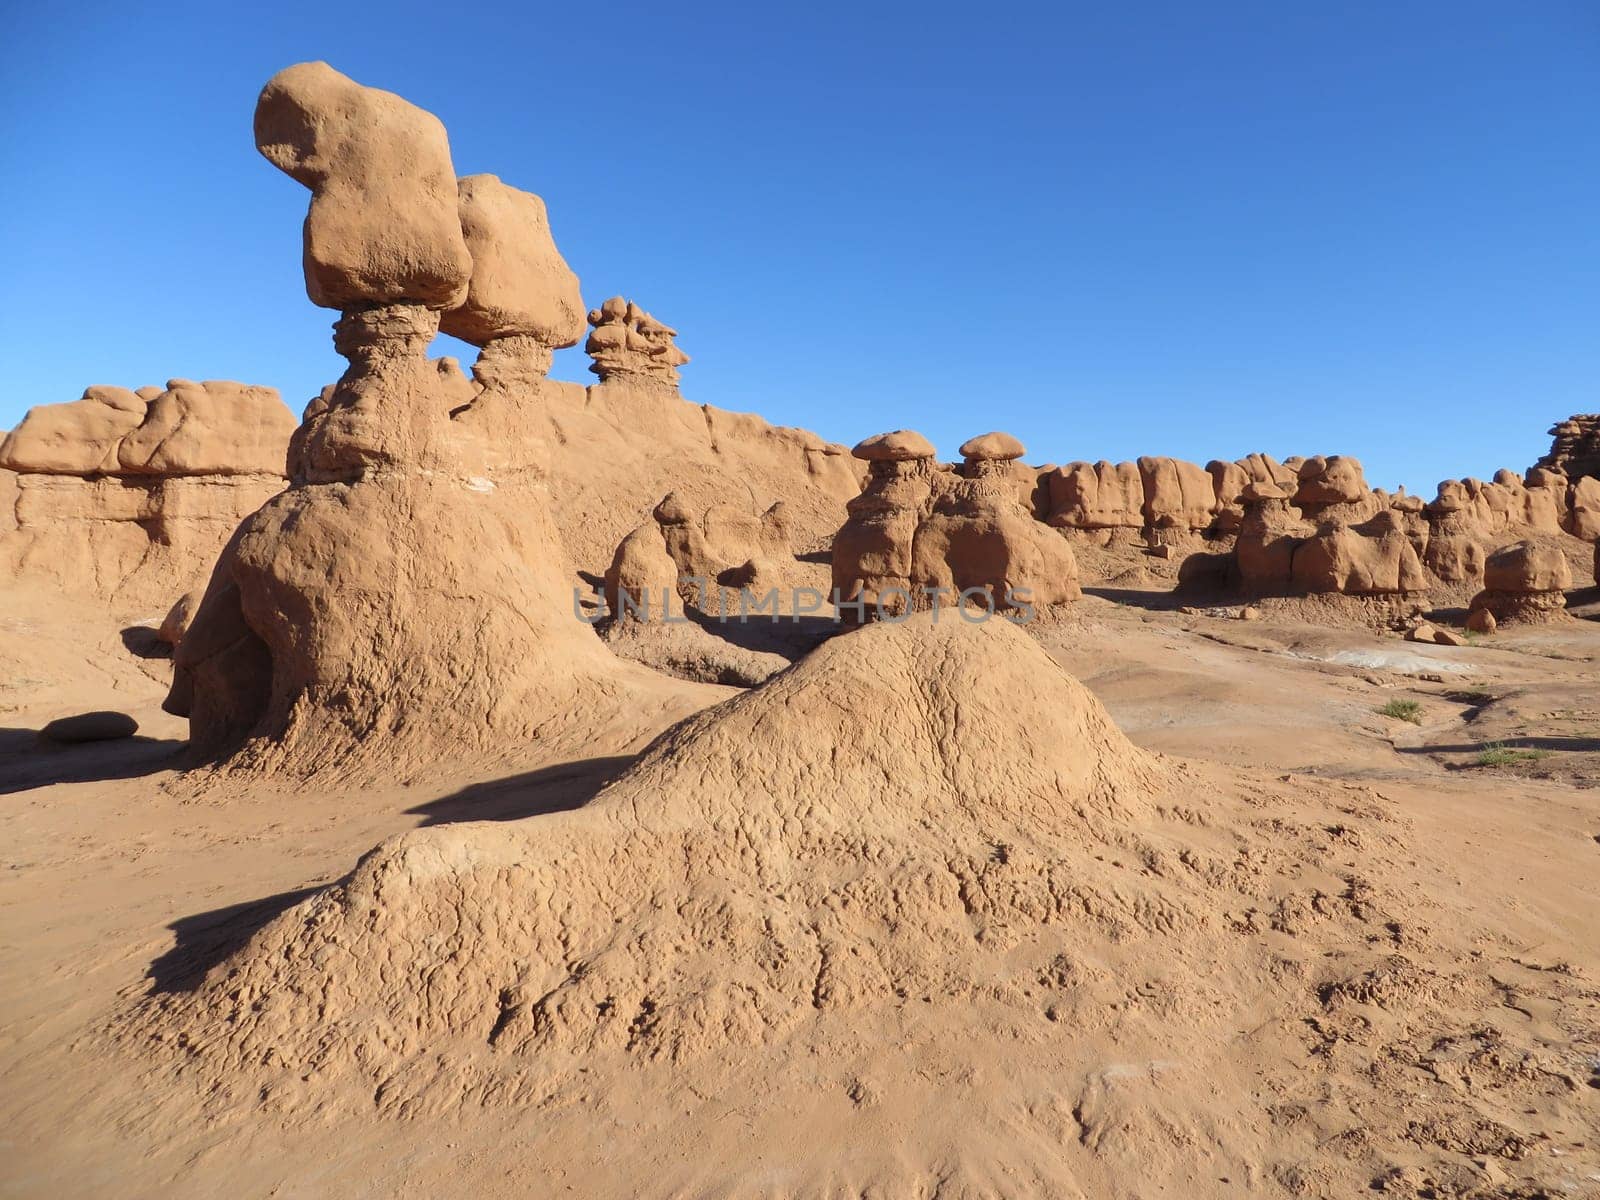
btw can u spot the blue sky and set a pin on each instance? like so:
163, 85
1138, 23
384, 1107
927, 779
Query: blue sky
1197, 230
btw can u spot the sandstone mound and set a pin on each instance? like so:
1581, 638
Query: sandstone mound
129, 495
917, 888
815, 844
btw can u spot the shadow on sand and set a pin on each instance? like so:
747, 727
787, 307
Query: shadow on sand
205, 939
1570, 744
28, 761
141, 642
558, 788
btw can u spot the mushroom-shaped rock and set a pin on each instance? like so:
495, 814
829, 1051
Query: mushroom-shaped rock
383, 226
981, 538
898, 445
520, 286
1525, 581
992, 447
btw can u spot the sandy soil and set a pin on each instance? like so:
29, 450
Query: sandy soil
123, 879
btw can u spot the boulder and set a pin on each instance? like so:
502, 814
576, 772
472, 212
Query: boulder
384, 225
90, 727
1524, 582
520, 284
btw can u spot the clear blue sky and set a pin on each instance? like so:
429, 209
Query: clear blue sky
1113, 230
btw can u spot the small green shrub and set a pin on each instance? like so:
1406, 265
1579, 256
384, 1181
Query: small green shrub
1497, 755
1403, 710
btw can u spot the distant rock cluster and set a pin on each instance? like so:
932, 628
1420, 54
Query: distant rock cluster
1575, 450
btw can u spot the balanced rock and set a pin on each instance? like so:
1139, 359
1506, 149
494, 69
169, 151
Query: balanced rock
384, 224
520, 286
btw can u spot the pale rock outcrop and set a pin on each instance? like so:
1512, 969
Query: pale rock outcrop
383, 226
980, 536
129, 495
1525, 581
630, 345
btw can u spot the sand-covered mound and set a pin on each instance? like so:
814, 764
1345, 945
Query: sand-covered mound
918, 896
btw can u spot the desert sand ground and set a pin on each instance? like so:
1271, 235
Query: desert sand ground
122, 879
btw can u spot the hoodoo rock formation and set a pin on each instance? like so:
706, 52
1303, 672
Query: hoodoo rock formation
383, 226
397, 603
1575, 447
872, 550
129, 495
1524, 582
630, 345
979, 537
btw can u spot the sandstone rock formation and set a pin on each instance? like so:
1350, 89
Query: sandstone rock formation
630, 345
1332, 487
1583, 519
1269, 533
1178, 496
1375, 558
1101, 499
979, 538
398, 603
1575, 447
520, 286
641, 584
1525, 581
383, 226
1453, 551
128, 496
872, 550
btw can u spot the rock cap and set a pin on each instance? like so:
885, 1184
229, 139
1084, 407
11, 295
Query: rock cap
898, 445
